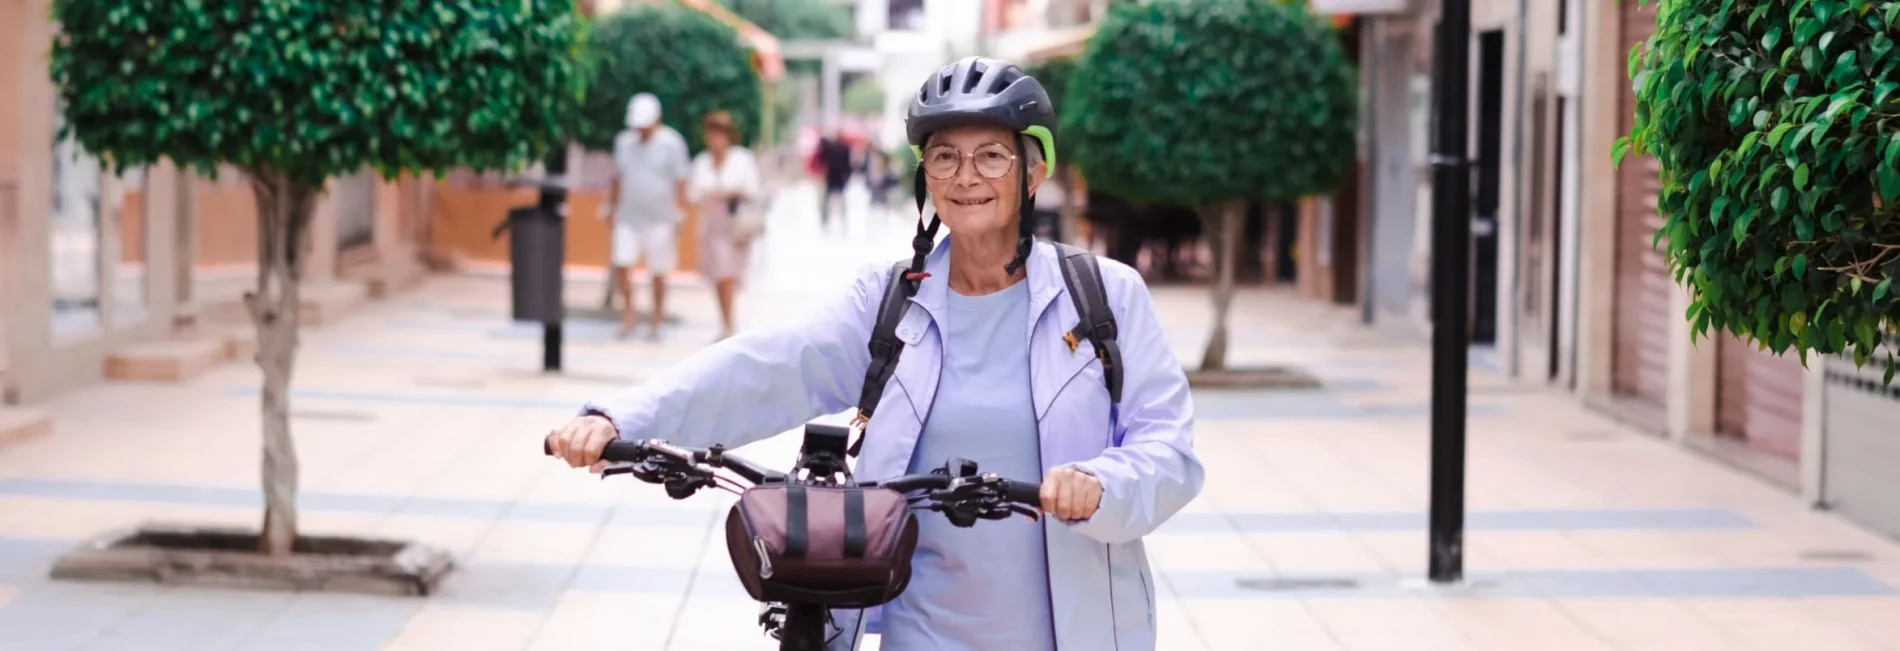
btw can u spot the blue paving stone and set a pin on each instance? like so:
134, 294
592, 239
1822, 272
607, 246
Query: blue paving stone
339, 621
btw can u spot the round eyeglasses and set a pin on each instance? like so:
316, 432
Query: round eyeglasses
992, 161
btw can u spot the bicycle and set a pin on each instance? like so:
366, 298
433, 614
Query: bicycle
956, 490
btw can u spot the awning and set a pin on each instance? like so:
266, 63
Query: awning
766, 57
1033, 45
1357, 7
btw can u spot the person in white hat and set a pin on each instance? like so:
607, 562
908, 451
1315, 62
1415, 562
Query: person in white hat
651, 171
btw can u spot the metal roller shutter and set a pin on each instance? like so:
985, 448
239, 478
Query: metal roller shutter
1640, 367
1758, 397
1862, 444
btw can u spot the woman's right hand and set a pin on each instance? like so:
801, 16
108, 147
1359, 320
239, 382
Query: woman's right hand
581, 441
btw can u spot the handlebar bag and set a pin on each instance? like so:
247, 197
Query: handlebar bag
836, 546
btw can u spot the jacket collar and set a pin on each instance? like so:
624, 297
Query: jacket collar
1045, 283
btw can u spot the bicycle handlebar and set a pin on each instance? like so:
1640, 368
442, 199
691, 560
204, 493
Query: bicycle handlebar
623, 451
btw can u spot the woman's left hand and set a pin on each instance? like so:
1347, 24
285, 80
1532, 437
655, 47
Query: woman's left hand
1070, 494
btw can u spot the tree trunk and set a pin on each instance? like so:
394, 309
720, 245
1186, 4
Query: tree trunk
1222, 223
1068, 224
283, 215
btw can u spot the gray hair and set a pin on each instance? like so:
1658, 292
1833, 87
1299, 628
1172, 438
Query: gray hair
1032, 152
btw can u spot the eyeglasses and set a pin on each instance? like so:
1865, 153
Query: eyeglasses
992, 161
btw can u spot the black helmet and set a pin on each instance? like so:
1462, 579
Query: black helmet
978, 90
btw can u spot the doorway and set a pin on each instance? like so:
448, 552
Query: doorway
1489, 168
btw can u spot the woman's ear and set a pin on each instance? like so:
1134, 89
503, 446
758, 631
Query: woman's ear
1037, 174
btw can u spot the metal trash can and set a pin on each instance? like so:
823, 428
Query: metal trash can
537, 247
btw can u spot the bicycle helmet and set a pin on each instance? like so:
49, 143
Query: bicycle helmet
977, 91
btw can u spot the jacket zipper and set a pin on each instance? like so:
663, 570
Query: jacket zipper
1114, 617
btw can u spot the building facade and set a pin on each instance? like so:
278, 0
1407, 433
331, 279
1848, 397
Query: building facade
1567, 290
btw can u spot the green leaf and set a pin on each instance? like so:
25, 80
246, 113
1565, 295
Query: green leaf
1740, 230
1856, 285
1798, 323
1774, 137
1715, 212
1772, 38
1618, 150
1880, 290
1801, 176
1779, 200
1889, 180
1800, 265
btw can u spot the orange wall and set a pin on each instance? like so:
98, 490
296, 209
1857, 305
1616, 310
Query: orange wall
465, 216
226, 228
132, 227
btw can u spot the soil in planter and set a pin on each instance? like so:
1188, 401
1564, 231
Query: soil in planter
233, 541
1253, 378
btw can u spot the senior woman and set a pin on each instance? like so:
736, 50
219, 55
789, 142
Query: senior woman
987, 373
724, 180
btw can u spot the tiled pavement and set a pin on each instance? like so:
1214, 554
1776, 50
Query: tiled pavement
419, 418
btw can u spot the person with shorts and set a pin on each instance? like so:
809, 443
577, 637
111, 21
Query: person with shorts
651, 171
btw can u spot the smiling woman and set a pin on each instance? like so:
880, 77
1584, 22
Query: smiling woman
951, 372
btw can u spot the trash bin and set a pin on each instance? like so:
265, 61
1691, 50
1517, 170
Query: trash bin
537, 247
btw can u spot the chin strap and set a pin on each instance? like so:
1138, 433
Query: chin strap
1025, 228
926, 236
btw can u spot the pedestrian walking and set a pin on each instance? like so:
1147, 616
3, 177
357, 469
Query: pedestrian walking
649, 198
725, 189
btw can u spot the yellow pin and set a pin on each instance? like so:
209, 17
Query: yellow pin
1069, 338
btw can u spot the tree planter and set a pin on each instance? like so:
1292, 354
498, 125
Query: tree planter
228, 558
1270, 377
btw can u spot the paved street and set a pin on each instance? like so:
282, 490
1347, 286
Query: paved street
420, 417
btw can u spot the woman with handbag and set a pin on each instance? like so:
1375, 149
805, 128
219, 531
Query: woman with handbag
725, 185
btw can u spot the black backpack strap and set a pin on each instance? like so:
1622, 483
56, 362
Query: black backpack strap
1082, 272
885, 347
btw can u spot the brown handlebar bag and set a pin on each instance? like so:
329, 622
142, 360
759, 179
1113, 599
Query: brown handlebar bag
836, 546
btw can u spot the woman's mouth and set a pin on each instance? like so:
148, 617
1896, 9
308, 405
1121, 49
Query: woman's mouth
973, 202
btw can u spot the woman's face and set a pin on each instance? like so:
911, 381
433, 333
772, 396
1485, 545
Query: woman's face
958, 164
718, 139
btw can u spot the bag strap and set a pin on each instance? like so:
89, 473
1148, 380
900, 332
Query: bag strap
855, 540
1082, 272
796, 535
885, 347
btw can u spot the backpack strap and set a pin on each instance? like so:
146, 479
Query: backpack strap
1082, 272
885, 347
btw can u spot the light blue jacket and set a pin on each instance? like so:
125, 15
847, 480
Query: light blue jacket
774, 379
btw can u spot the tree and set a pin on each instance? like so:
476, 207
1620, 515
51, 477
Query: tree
1211, 103
796, 20
792, 21
863, 97
692, 62
295, 92
1774, 125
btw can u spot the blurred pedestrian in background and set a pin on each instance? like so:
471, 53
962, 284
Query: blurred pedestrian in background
649, 198
834, 163
725, 189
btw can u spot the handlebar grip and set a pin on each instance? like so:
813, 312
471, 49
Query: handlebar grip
1025, 493
618, 451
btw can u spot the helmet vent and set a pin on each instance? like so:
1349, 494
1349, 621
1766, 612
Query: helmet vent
975, 76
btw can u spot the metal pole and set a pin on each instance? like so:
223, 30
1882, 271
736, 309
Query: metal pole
554, 205
1451, 277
